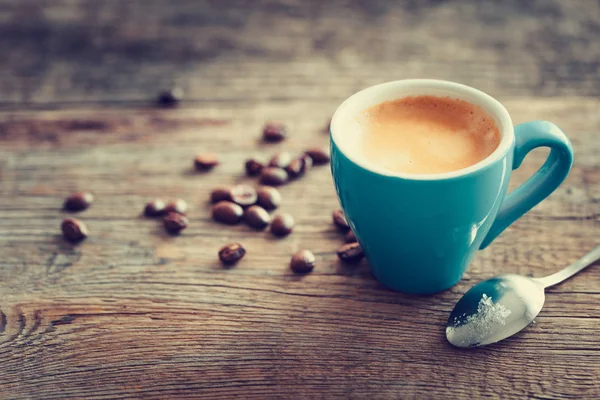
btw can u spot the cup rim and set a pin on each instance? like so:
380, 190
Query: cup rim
412, 87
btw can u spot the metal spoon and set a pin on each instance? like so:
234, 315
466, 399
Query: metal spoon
499, 307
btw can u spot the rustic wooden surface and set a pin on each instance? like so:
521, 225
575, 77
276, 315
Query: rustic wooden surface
133, 313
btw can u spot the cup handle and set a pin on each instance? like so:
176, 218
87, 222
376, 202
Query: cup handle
529, 136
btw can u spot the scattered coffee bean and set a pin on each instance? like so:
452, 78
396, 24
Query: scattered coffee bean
273, 176
280, 160
227, 212
340, 220
220, 193
74, 230
170, 97
175, 223
206, 161
299, 166
350, 253
253, 167
257, 217
302, 262
155, 208
350, 237
178, 206
231, 253
274, 132
269, 198
308, 161
294, 169
282, 225
243, 195
319, 156
78, 201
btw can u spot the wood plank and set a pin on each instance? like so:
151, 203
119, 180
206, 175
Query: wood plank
66, 52
132, 312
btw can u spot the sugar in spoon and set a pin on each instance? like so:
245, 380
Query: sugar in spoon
499, 307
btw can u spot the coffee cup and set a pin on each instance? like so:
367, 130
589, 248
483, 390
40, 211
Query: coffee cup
420, 231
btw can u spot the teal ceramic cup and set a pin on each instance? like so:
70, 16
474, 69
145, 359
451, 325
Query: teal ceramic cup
420, 232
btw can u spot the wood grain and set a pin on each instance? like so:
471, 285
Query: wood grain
66, 52
135, 313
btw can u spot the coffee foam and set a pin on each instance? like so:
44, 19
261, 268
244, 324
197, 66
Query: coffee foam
424, 135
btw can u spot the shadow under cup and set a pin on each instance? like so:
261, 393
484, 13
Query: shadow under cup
420, 232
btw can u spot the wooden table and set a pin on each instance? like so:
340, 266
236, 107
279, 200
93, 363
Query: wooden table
134, 313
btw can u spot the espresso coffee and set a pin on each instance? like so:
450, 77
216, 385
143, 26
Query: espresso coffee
424, 135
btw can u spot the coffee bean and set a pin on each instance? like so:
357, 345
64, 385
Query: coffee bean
220, 193
155, 208
319, 156
282, 225
74, 230
302, 262
206, 161
231, 253
178, 206
78, 201
340, 220
280, 160
268, 197
299, 166
227, 212
308, 161
294, 169
274, 132
257, 217
253, 167
175, 223
170, 97
350, 253
350, 237
273, 176
243, 195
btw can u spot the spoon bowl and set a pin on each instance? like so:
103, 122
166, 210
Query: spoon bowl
494, 310
498, 308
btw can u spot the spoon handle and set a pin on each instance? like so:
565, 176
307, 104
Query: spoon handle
572, 269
